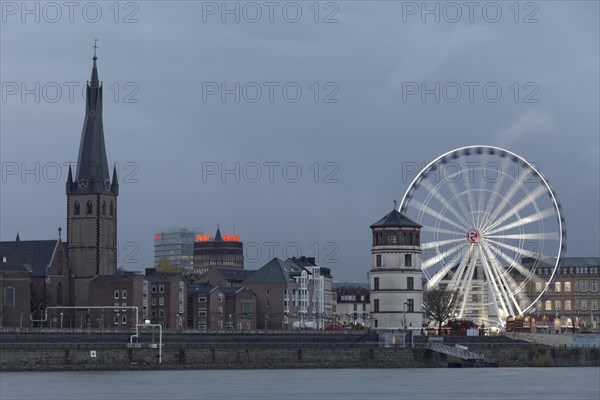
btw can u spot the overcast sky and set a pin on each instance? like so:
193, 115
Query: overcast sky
355, 127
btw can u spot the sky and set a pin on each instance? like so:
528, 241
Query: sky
293, 124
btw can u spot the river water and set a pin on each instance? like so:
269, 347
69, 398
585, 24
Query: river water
309, 384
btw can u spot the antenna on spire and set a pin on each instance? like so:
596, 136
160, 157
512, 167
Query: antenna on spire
95, 46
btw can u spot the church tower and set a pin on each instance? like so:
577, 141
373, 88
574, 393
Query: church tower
91, 200
395, 276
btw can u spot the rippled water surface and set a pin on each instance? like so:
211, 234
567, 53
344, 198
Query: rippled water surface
316, 384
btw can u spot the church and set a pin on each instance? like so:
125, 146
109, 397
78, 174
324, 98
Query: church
37, 274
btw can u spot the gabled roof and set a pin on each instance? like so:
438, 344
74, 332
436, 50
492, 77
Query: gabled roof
116, 278
37, 253
232, 274
395, 219
164, 276
10, 262
275, 271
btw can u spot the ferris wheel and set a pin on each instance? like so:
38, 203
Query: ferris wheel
490, 220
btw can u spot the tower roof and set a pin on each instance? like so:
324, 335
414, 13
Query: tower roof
218, 237
92, 175
395, 219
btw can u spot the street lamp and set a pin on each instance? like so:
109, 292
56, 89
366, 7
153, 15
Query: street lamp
404, 316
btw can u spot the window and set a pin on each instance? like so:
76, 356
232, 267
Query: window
202, 313
557, 305
378, 260
77, 208
116, 306
594, 305
110, 209
153, 288
376, 283
376, 305
408, 260
567, 305
116, 294
161, 313
103, 207
124, 306
161, 289
376, 324
538, 287
583, 305
557, 287
548, 305
9, 297
567, 286
220, 324
246, 308
410, 283
220, 298
538, 306
268, 303
406, 238
161, 301
88, 208
124, 319
124, 294
220, 311
116, 320
355, 307
410, 305
202, 299
268, 291
392, 238
594, 286
154, 301
364, 307
583, 286
153, 313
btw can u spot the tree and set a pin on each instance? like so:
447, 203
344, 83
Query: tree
165, 266
441, 304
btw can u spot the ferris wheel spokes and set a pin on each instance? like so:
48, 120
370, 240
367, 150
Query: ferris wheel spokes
548, 212
503, 279
436, 214
519, 206
443, 200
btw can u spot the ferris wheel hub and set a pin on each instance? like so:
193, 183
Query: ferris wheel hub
473, 236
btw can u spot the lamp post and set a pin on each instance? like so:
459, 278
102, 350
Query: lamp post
404, 317
61, 320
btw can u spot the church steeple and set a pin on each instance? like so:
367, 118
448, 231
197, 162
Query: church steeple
92, 166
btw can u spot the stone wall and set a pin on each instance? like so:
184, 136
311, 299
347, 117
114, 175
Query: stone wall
122, 358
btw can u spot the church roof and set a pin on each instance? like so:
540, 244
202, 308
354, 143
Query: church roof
395, 219
37, 253
92, 174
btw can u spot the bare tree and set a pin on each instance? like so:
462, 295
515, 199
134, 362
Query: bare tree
441, 304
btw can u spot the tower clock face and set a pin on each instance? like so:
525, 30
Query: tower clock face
106, 184
83, 183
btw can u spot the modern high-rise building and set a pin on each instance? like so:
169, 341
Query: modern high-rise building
176, 245
221, 251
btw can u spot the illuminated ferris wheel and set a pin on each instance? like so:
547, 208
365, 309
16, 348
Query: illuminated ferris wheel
490, 219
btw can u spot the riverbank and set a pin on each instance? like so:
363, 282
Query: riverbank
88, 357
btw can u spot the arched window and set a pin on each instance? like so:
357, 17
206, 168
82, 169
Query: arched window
59, 294
103, 207
76, 208
9, 297
88, 208
406, 238
110, 209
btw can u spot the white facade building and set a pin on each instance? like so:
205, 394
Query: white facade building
395, 276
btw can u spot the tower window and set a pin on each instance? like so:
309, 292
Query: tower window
408, 260
76, 208
103, 207
392, 238
376, 305
9, 297
406, 238
378, 260
410, 283
110, 209
88, 208
376, 283
410, 305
